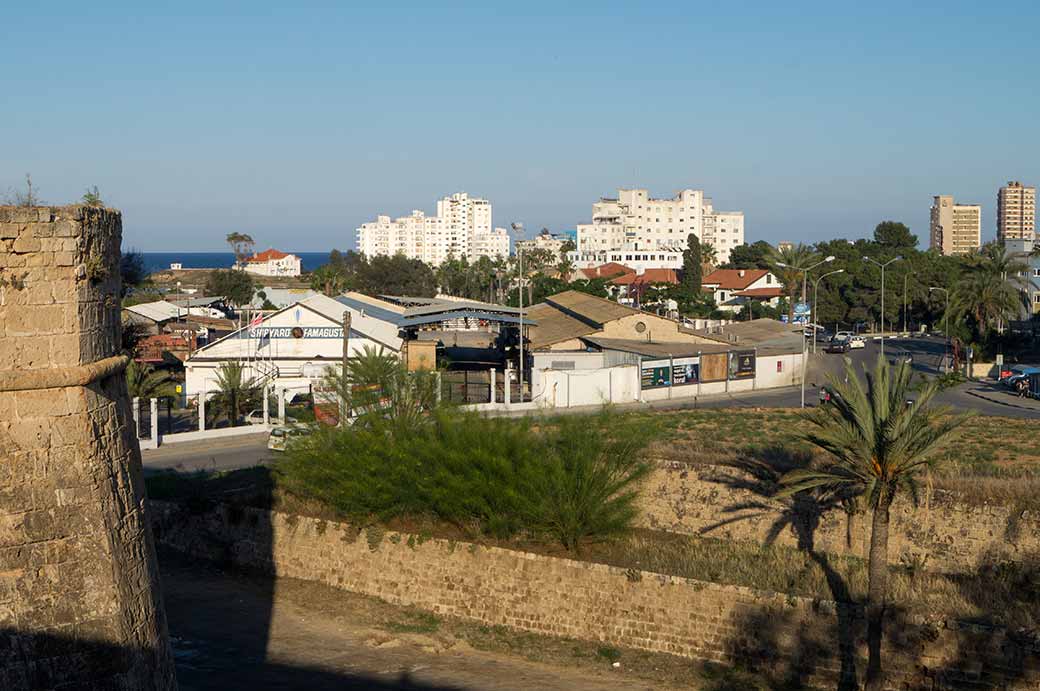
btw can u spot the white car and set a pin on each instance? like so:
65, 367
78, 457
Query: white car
857, 342
841, 335
256, 417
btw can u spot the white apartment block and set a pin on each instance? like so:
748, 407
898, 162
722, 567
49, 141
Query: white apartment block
543, 241
955, 228
1016, 212
461, 228
634, 216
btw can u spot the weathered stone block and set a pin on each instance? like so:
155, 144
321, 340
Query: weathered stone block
25, 243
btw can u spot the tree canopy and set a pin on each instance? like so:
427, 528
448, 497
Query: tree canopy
236, 287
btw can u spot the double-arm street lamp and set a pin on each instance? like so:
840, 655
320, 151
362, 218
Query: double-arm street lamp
518, 228
946, 321
815, 295
875, 261
805, 281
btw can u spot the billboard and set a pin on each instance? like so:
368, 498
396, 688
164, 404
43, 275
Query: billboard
742, 364
678, 371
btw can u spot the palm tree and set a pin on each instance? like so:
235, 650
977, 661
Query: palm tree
878, 441
378, 386
328, 280
992, 289
709, 255
795, 258
144, 381
236, 393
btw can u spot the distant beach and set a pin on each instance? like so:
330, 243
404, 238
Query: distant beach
158, 261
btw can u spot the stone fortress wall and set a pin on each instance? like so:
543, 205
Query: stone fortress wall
79, 597
805, 642
729, 503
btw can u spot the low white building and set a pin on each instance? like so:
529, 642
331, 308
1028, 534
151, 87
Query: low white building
543, 241
271, 262
289, 350
636, 256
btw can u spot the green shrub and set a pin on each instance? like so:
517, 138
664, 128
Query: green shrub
568, 480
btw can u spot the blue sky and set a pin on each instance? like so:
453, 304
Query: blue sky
294, 122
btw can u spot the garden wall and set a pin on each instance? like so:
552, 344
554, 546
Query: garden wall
728, 503
802, 642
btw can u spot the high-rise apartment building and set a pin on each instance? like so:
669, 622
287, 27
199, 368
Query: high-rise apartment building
955, 228
1016, 212
635, 217
461, 228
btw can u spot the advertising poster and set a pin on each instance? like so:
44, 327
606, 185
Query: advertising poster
742, 364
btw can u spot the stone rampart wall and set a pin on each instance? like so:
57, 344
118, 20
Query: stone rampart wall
803, 642
79, 602
728, 503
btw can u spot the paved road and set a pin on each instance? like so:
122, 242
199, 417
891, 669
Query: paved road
216, 454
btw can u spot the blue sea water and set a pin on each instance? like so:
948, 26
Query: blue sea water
156, 261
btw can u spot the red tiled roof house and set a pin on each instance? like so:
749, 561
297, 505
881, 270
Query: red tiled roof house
732, 289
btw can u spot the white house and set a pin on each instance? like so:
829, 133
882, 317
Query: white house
732, 289
290, 349
273, 263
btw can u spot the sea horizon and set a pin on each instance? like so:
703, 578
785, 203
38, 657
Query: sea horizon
160, 261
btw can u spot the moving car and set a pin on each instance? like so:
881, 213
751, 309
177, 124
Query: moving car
857, 342
280, 436
839, 345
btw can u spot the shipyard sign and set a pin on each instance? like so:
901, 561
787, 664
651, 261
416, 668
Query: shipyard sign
267, 332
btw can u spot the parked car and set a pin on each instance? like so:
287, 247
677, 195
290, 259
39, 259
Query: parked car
839, 345
280, 436
256, 417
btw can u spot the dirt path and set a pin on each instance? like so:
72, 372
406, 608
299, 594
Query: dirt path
233, 631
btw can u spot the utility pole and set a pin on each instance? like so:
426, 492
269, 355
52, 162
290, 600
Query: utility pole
344, 406
519, 229
946, 321
805, 346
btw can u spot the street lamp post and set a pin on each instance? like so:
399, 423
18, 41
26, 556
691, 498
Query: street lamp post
816, 293
905, 278
518, 228
875, 261
805, 280
946, 319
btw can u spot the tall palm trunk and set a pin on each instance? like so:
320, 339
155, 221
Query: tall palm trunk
877, 591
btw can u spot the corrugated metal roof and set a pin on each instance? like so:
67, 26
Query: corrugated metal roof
662, 350
595, 310
465, 314
159, 311
554, 326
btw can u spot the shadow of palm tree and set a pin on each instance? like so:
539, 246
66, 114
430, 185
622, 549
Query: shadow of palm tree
759, 471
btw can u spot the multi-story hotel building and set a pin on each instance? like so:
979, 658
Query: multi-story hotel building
635, 217
461, 228
955, 228
1016, 212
